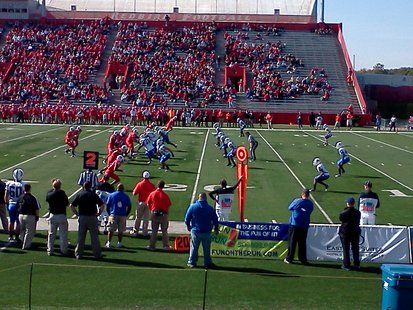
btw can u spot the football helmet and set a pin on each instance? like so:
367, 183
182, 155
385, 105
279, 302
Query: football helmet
18, 174
120, 158
124, 148
325, 126
339, 145
72, 128
316, 161
227, 140
216, 125
116, 132
79, 128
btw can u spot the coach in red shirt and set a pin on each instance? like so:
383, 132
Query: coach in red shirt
142, 190
159, 203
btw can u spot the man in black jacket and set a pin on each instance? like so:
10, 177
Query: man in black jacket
28, 216
349, 233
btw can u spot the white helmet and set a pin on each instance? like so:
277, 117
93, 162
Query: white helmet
227, 140
135, 130
18, 174
157, 128
72, 128
124, 148
220, 134
339, 145
116, 132
316, 161
230, 144
325, 126
216, 125
238, 119
79, 128
159, 142
119, 158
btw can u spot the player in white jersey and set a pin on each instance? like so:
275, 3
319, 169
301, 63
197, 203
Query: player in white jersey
149, 147
368, 203
14, 189
165, 154
321, 176
344, 158
327, 135
242, 126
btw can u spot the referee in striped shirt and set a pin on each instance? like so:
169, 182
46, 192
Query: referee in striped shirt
88, 176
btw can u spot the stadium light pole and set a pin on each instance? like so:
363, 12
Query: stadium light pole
322, 11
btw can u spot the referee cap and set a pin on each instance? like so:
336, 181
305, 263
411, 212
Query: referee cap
146, 175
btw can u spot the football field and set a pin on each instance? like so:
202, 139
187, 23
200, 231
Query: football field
135, 278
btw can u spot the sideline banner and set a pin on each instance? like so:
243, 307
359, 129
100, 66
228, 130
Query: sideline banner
250, 240
378, 244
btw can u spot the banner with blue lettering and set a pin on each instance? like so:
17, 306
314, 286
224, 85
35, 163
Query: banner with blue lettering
250, 240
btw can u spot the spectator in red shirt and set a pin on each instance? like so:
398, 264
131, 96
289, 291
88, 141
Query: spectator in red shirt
158, 202
268, 118
142, 190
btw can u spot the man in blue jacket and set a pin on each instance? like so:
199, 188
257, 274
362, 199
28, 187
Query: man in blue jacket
200, 218
301, 209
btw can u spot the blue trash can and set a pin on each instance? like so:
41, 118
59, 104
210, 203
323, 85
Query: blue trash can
397, 283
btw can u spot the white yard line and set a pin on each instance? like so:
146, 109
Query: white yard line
48, 152
370, 166
381, 142
28, 136
198, 174
295, 177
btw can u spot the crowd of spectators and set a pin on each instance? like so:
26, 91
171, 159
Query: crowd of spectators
53, 61
275, 74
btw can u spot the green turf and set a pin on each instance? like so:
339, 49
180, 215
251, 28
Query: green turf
133, 278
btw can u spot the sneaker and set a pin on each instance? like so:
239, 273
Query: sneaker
326, 189
345, 268
190, 265
133, 233
287, 261
119, 245
108, 245
312, 190
338, 175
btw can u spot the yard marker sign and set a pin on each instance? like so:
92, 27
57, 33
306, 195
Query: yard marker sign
242, 172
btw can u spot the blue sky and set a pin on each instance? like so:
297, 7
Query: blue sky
375, 31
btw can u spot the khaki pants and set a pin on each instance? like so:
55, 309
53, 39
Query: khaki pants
163, 222
88, 223
57, 221
142, 212
27, 230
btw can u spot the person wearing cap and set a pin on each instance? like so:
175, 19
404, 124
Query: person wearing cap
58, 203
349, 233
119, 206
84, 206
142, 190
368, 202
301, 209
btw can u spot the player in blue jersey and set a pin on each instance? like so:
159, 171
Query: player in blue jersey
327, 135
163, 134
14, 189
253, 145
242, 126
232, 149
344, 158
321, 176
165, 154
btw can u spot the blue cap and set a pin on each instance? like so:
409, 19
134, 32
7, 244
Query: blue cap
350, 200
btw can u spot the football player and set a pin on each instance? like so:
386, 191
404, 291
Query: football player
165, 154
327, 135
242, 126
231, 154
344, 158
110, 170
14, 189
321, 176
69, 141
